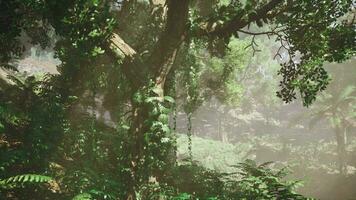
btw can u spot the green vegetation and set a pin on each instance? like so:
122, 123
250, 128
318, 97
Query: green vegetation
18, 180
104, 127
339, 109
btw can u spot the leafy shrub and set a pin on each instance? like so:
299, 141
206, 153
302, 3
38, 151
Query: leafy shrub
249, 181
260, 182
196, 180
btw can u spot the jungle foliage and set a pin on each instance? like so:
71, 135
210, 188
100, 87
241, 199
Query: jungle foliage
140, 61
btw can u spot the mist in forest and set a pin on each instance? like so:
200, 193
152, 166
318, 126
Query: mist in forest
263, 128
307, 139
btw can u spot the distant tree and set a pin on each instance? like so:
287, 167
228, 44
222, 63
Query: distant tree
339, 108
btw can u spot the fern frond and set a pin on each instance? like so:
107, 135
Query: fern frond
28, 178
19, 180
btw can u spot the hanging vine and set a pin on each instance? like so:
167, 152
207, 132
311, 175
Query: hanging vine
175, 112
193, 96
190, 152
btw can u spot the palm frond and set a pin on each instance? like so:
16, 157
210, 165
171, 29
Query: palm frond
346, 93
8, 67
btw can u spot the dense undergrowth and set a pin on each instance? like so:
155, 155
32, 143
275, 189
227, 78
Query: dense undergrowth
90, 163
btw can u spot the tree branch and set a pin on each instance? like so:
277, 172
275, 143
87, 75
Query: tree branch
259, 33
240, 20
165, 50
120, 46
163, 54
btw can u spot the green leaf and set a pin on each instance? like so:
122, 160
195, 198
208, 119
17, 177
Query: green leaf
2, 127
151, 99
95, 2
163, 118
169, 99
83, 196
166, 129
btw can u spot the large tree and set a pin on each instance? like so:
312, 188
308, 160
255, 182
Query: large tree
141, 48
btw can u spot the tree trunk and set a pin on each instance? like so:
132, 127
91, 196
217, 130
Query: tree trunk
136, 131
221, 130
159, 66
341, 148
